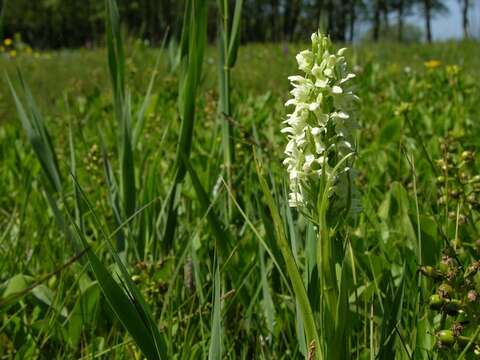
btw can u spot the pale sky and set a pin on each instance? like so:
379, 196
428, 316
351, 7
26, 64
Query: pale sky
448, 26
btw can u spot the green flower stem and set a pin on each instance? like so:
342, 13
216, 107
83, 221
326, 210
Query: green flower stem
334, 342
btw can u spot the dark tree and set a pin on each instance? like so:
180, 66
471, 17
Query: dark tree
352, 18
427, 4
465, 4
292, 11
402, 8
61, 23
431, 7
377, 4
273, 19
2, 15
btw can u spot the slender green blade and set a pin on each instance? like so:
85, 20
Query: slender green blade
215, 350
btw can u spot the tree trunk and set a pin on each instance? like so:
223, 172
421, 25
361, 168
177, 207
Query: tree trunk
341, 20
273, 19
295, 14
259, 22
385, 15
376, 20
428, 18
330, 17
353, 18
286, 19
466, 4
167, 17
400, 21
3, 4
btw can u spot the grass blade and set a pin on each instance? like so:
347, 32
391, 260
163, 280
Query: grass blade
37, 134
387, 342
292, 268
194, 38
122, 105
222, 237
215, 350
140, 323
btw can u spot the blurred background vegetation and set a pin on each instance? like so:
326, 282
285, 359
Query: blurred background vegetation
62, 23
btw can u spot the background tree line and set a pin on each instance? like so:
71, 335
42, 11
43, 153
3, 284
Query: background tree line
70, 23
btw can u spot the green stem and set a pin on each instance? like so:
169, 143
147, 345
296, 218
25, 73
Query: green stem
328, 281
334, 339
224, 93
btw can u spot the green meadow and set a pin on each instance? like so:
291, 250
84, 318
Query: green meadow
128, 232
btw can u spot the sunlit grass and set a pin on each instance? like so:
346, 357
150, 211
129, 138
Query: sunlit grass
226, 284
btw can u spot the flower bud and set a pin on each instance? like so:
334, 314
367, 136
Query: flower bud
441, 163
472, 296
457, 329
431, 272
446, 338
467, 156
442, 200
436, 302
454, 193
477, 244
472, 199
456, 243
445, 291
475, 179
472, 269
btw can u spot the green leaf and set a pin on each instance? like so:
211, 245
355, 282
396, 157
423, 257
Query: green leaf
126, 308
215, 350
37, 134
126, 301
83, 314
17, 284
390, 322
46, 296
222, 237
193, 42
235, 34
291, 267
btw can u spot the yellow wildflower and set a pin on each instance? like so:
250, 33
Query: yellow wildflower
453, 70
12, 53
8, 42
432, 64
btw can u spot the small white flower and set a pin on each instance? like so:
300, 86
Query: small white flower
305, 60
346, 78
340, 115
337, 90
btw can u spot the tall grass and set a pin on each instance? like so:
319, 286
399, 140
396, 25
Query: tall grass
192, 46
118, 288
228, 43
209, 260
